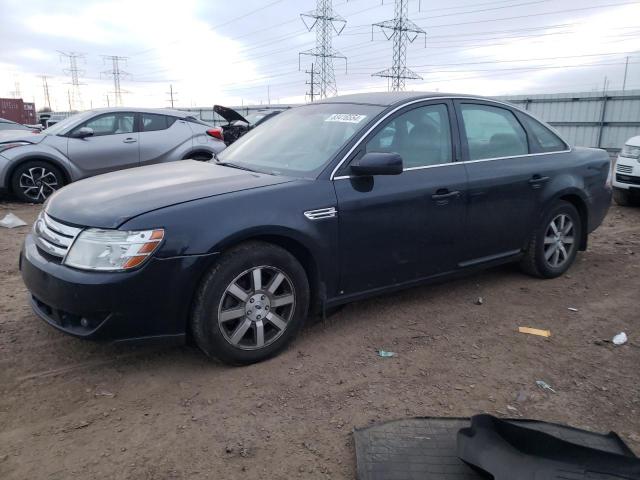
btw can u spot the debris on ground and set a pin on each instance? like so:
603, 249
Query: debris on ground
545, 386
479, 301
572, 309
385, 354
12, 221
620, 339
535, 331
103, 393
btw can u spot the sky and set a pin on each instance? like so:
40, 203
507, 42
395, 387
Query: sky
240, 53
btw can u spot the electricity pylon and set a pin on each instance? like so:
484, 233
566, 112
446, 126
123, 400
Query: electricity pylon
402, 31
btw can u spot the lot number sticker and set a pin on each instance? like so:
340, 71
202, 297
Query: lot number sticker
346, 118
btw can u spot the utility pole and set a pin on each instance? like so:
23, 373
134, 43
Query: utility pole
268, 94
326, 23
116, 73
171, 93
17, 93
45, 91
626, 69
106, 95
403, 31
75, 101
313, 83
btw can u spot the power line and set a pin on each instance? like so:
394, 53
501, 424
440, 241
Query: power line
326, 22
75, 100
116, 73
402, 30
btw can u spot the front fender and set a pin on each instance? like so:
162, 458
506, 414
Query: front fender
10, 159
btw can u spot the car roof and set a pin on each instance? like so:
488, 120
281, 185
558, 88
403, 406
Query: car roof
160, 111
386, 99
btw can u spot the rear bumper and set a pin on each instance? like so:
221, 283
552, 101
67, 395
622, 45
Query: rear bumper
151, 303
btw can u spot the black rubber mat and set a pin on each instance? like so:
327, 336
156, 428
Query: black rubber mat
426, 448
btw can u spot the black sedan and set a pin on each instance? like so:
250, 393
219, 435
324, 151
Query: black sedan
324, 204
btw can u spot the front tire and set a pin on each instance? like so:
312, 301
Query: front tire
554, 244
34, 181
251, 304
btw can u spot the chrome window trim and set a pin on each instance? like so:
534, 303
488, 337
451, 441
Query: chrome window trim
342, 177
428, 99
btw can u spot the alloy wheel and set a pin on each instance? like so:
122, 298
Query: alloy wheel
38, 183
256, 307
559, 240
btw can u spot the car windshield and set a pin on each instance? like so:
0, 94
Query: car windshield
63, 125
299, 142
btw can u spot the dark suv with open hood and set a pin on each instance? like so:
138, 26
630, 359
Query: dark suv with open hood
324, 204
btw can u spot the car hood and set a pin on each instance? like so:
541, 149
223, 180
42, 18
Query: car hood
634, 141
229, 114
109, 200
7, 136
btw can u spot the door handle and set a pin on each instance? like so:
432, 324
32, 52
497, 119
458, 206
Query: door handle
536, 181
445, 195
129, 140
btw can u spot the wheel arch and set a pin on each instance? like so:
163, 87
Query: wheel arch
37, 158
576, 199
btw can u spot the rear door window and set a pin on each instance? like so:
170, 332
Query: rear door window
492, 132
152, 122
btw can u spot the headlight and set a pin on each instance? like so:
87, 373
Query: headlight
111, 250
7, 146
630, 151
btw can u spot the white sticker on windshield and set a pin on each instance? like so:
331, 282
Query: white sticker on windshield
346, 118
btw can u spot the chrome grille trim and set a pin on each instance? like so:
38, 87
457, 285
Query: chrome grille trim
624, 169
321, 213
54, 237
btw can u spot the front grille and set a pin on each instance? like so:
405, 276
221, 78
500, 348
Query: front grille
52, 237
624, 169
628, 179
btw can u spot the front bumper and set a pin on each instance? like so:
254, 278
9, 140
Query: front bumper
150, 303
626, 175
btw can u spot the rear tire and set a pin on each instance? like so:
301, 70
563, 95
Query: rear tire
622, 197
35, 180
554, 244
251, 304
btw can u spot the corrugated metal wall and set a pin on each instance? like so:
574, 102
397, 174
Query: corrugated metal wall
588, 119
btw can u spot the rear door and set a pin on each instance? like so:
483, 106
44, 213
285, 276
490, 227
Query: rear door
162, 138
504, 180
399, 228
113, 146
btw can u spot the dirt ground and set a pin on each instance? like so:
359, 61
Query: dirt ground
75, 409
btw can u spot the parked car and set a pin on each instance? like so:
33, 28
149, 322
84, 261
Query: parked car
326, 203
32, 167
9, 127
626, 183
237, 125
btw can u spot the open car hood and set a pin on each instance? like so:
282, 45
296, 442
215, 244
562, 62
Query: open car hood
229, 114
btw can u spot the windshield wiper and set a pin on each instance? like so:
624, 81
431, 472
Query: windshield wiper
239, 167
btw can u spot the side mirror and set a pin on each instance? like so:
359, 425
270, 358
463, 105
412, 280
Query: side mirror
378, 163
83, 132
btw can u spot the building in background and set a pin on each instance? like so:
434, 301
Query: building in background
16, 110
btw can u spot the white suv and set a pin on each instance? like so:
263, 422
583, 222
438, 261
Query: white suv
626, 182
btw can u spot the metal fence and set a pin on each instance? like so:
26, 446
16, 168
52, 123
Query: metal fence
589, 119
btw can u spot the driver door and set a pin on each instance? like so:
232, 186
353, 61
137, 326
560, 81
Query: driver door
113, 146
395, 229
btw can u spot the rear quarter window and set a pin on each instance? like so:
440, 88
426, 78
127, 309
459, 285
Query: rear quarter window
546, 139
